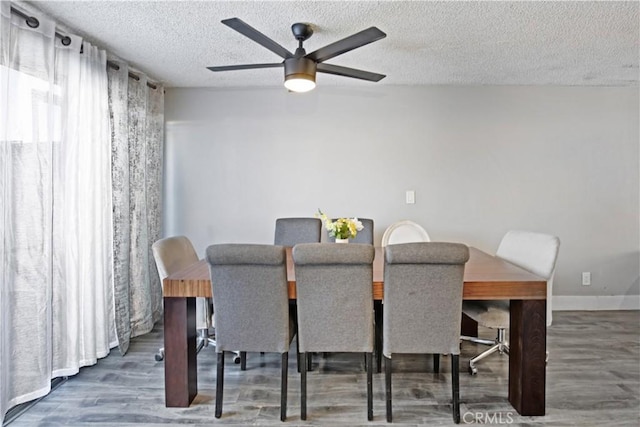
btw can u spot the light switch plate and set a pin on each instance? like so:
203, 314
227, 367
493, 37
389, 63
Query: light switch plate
410, 197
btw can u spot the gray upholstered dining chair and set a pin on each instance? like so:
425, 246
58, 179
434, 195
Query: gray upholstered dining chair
251, 306
173, 254
335, 305
423, 306
364, 236
534, 252
291, 231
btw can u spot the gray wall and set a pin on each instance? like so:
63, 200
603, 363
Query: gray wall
482, 160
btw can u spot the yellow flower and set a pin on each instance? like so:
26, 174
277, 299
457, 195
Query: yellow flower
342, 228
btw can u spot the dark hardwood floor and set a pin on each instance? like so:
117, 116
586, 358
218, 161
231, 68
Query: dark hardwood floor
593, 379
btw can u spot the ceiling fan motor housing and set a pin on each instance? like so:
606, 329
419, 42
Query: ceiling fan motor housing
303, 68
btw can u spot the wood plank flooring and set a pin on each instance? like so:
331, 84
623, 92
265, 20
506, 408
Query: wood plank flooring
593, 379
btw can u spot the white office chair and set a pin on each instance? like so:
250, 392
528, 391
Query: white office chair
534, 252
172, 254
404, 232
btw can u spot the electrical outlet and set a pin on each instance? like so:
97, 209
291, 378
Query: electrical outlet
586, 278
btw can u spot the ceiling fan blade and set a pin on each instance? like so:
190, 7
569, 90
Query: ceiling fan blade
354, 41
245, 67
349, 72
255, 35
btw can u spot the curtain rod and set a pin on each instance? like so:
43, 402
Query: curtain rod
133, 76
33, 22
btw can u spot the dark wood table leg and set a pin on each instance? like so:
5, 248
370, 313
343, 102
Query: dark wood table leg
180, 363
469, 326
527, 352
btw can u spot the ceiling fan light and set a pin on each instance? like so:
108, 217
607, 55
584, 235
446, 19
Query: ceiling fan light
299, 74
300, 82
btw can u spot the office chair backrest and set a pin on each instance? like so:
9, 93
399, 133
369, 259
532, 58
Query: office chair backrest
423, 297
535, 252
172, 254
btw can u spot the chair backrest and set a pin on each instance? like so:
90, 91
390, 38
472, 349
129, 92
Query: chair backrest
364, 236
404, 232
423, 297
291, 231
334, 296
172, 254
251, 300
535, 252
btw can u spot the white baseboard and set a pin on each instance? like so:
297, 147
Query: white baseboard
592, 303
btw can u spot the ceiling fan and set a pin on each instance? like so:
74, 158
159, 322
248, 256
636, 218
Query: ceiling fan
300, 67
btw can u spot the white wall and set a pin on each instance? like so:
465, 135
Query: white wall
482, 160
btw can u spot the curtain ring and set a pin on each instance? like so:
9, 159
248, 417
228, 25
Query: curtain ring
32, 22
66, 40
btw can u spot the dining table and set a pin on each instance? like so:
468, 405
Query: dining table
486, 277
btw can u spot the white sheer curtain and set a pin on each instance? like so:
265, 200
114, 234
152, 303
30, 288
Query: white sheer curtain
82, 300
137, 119
56, 262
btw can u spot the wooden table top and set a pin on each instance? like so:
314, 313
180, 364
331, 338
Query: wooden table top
485, 278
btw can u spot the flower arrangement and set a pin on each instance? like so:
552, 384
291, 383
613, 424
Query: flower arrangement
341, 228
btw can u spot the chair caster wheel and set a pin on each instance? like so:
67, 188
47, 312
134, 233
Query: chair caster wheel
159, 357
473, 370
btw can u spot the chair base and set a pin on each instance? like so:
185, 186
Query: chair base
500, 345
204, 340
159, 355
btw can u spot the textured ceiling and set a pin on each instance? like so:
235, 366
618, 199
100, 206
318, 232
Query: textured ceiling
427, 43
